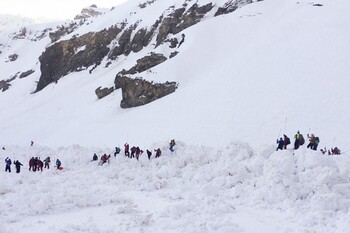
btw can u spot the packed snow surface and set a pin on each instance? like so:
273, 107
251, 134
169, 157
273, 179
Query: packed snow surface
194, 189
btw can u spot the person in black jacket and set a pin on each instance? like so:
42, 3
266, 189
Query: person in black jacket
149, 154
18, 166
8, 164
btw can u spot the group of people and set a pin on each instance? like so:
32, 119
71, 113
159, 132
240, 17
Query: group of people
35, 164
299, 141
133, 152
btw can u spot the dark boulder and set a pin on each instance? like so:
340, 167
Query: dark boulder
26, 73
13, 57
147, 62
4, 85
103, 92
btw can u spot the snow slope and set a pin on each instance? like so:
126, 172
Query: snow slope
260, 72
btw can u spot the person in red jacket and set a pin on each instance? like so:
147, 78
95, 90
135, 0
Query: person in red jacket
31, 164
105, 159
40, 165
126, 149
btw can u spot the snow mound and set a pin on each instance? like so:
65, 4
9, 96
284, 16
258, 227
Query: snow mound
180, 191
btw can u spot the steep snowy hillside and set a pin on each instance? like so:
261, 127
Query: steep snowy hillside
249, 75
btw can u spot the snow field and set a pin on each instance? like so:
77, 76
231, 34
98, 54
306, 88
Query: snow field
197, 190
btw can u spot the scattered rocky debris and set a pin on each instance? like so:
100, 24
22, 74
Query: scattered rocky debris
144, 5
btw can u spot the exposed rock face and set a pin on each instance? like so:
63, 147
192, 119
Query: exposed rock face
62, 31
137, 92
26, 73
75, 54
180, 20
124, 45
103, 92
87, 51
88, 12
231, 6
147, 62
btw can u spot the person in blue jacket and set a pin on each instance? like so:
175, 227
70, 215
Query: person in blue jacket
280, 143
58, 164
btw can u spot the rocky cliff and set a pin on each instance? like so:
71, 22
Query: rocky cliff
88, 50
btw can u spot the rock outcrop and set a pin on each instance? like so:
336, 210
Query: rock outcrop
137, 92
75, 54
147, 62
181, 19
4, 85
231, 6
87, 51
12, 57
26, 73
88, 12
103, 92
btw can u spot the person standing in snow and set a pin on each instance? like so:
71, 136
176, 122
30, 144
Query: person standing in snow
18, 166
31, 164
126, 149
40, 165
133, 151
158, 153
297, 140
31, 143
172, 144
317, 141
47, 163
286, 140
137, 152
58, 164
311, 141
8, 163
149, 154
117, 151
35, 164
280, 143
